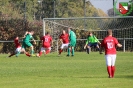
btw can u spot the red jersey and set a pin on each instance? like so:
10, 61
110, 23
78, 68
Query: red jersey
109, 43
17, 43
65, 38
46, 41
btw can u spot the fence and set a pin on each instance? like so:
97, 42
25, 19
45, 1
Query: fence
8, 46
121, 26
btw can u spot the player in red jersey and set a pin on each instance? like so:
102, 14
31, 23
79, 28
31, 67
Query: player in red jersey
18, 48
64, 38
46, 44
109, 43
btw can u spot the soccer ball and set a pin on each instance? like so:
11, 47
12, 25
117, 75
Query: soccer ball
37, 55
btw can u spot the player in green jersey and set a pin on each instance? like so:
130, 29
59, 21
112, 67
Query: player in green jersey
92, 41
26, 42
72, 40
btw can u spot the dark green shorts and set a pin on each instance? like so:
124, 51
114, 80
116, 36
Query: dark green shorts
72, 43
26, 44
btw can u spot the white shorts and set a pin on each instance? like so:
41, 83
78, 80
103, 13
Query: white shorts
110, 60
44, 49
18, 49
64, 46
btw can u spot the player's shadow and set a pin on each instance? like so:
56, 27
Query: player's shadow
80, 77
86, 77
125, 76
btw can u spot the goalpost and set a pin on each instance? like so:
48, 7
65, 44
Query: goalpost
122, 29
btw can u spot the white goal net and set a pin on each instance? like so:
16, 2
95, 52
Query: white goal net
122, 29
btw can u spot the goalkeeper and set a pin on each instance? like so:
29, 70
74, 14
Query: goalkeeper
92, 41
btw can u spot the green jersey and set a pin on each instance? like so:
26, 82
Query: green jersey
92, 39
72, 36
27, 38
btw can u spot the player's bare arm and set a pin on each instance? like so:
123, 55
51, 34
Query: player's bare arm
99, 42
41, 41
25, 34
61, 41
34, 41
85, 46
119, 45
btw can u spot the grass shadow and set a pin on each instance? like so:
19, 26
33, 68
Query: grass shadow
125, 76
80, 77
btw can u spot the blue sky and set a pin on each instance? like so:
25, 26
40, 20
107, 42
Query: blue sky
105, 4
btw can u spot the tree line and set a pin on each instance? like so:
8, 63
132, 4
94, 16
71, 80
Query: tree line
18, 16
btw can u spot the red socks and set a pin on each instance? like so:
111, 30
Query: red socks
11, 54
27, 54
40, 53
111, 71
47, 51
60, 50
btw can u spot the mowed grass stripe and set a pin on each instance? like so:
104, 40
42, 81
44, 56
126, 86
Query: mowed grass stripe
51, 71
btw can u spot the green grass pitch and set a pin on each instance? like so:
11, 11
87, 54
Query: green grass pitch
51, 71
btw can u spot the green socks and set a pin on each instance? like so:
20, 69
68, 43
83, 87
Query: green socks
68, 51
17, 54
72, 51
32, 51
